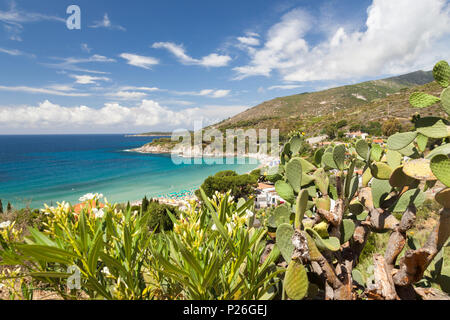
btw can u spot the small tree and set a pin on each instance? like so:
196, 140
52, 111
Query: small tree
390, 127
8, 208
145, 204
1, 206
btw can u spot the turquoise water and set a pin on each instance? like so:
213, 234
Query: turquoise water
45, 169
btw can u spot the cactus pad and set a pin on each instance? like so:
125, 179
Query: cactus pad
419, 169
301, 207
362, 148
413, 196
399, 179
328, 160
285, 191
376, 152
296, 281
400, 141
347, 230
339, 156
381, 170
322, 229
366, 177
445, 100
440, 165
331, 243
358, 277
422, 100
394, 158
323, 203
318, 156
295, 144
433, 127
285, 233
441, 73
294, 174
321, 180
281, 215
443, 197
380, 191
422, 142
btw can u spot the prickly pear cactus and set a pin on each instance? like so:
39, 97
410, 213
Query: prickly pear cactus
441, 73
422, 100
296, 281
285, 191
284, 241
294, 174
440, 166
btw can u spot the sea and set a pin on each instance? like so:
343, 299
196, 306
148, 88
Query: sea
38, 169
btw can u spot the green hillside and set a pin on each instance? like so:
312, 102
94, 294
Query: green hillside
358, 103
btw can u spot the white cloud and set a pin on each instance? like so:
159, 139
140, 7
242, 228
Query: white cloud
72, 63
139, 61
14, 19
400, 36
285, 87
107, 24
50, 91
205, 93
251, 39
86, 79
15, 52
148, 89
112, 117
212, 60
85, 48
127, 95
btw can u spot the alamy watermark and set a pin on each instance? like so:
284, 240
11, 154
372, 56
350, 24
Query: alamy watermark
73, 22
212, 146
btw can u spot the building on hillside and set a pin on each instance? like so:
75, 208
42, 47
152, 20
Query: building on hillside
316, 140
356, 134
267, 196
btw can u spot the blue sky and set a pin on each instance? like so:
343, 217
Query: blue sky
142, 65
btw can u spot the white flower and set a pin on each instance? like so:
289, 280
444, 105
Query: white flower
86, 197
105, 270
5, 224
98, 213
248, 214
214, 227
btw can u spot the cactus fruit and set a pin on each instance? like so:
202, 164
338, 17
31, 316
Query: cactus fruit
284, 241
381, 170
419, 169
441, 73
400, 141
301, 207
296, 281
422, 100
285, 191
422, 142
339, 156
331, 243
347, 230
399, 179
281, 215
376, 152
294, 174
440, 165
362, 148
433, 127
443, 198
394, 158
321, 180
445, 100
380, 191
328, 160
413, 196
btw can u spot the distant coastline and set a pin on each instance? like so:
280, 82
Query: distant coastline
156, 134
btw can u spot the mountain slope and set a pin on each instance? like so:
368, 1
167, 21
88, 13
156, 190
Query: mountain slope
311, 111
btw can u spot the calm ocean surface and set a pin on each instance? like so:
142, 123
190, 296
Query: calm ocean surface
45, 169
